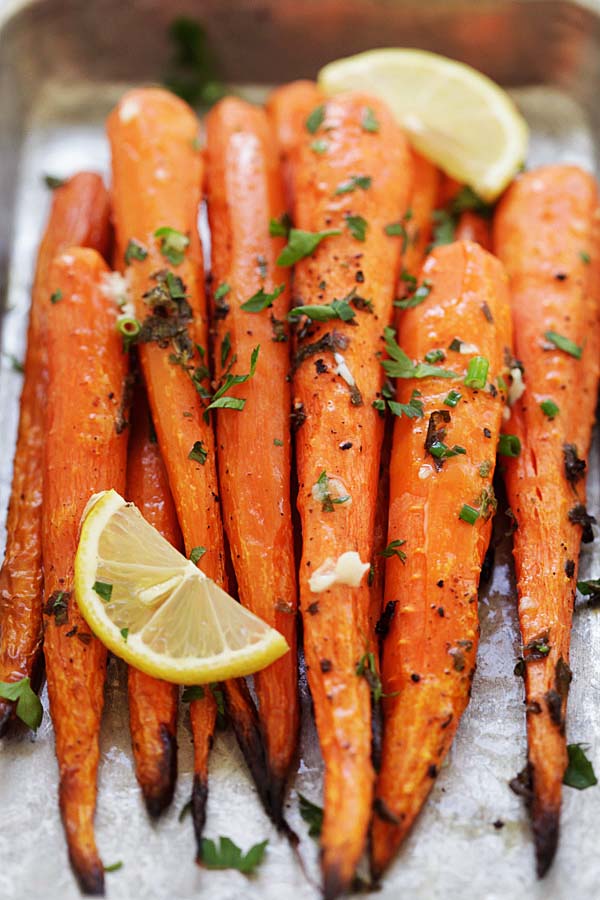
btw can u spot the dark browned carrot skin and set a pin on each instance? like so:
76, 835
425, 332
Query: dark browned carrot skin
157, 179
244, 193
429, 651
341, 434
288, 107
79, 216
152, 702
85, 452
546, 231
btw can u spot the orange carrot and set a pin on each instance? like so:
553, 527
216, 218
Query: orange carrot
337, 378
157, 178
288, 108
546, 231
426, 179
85, 452
244, 194
152, 703
79, 215
433, 573
474, 227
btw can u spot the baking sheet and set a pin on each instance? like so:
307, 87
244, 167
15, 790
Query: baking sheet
454, 850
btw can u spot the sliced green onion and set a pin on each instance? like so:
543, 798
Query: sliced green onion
468, 514
452, 398
509, 445
563, 343
129, 329
549, 408
434, 356
477, 372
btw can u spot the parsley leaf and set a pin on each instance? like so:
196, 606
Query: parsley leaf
55, 297
369, 121
261, 300
53, 181
357, 226
103, 589
173, 244
15, 364
198, 453
393, 549
415, 297
219, 400
563, 343
134, 250
444, 226
222, 291
401, 366
312, 815
29, 707
280, 227
197, 553
302, 243
413, 409
356, 181
589, 588
192, 692
337, 309
229, 856
324, 494
315, 119
579, 773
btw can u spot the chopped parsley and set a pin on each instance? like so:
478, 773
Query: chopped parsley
53, 181
315, 119
549, 408
393, 549
589, 588
357, 226
197, 553
228, 855
585, 258
311, 814
367, 668
412, 410
277, 442
444, 227
198, 453
564, 344
125, 634
356, 181
29, 707
415, 297
262, 300
192, 692
173, 244
509, 445
280, 227
114, 867
302, 243
434, 356
15, 364
103, 589
222, 291
134, 250
579, 773
325, 495
56, 296
220, 400
337, 309
368, 120
399, 365
441, 451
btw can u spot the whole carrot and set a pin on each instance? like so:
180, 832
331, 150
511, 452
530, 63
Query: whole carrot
244, 194
346, 197
546, 232
157, 178
152, 703
418, 221
85, 452
288, 108
441, 506
79, 215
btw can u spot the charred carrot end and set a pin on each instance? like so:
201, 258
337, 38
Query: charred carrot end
203, 714
290, 108
79, 216
85, 360
547, 233
442, 461
152, 703
245, 196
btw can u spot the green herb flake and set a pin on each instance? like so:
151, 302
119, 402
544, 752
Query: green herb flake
485, 468
337, 309
564, 344
509, 445
125, 634
228, 855
173, 244
184, 811
193, 72
56, 297
441, 451
315, 119
29, 707
277, 442
579, 773
367, 668
434, 356
198, 453
369, 121
328, 501
192, 692
301, 244
549, 408
399, 365
262, 300
477, 372
415, 298
319, 146
103, 589
393, 549
134, 250
589, 588
412, 410
222, 291
444, 227
219, 400
114, 867
280, 227
53, 181
197, 553
312, 815
452, 398
354, 183
15, 364
585, 258
357, 226
468, 514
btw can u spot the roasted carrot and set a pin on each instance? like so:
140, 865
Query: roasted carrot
244, 193
441, 505
79, 215
157, 178
337, 378
474, 227
85, 452
546, 231
152, 703
288, 108
424, 194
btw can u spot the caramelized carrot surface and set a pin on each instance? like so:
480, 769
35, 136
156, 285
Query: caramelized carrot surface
429, 652
152, 703
244, 194
546, 231
337, 376
288, 107
423, 197
85, 452
79, 215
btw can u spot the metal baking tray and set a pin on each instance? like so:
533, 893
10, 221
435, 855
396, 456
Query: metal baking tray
63, 63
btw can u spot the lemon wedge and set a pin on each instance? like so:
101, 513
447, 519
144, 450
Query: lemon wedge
155, 609
455, 116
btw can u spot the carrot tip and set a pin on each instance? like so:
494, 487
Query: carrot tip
199, 798
334, 883
158, 795
545, 832
89, 874
6, 713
